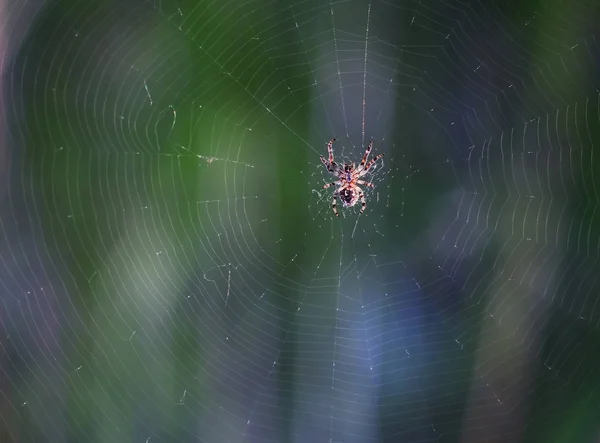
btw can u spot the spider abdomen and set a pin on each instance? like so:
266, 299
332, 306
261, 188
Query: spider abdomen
348, 196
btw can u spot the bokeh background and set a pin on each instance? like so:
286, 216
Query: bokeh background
171, 269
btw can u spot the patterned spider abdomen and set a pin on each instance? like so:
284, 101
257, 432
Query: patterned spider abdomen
348, 196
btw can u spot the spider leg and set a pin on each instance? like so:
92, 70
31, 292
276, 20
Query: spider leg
361, 195
362, 182
332, 168
331, 184
330, 150
331, 165
334, 204
364, 171
367, 152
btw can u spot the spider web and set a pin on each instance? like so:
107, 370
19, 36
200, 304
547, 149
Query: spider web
171, 267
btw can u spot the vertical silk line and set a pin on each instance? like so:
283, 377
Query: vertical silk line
365, 74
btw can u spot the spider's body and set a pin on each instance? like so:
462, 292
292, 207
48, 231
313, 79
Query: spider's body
348, 196
349, 178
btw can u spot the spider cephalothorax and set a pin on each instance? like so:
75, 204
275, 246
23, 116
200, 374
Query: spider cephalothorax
348, 178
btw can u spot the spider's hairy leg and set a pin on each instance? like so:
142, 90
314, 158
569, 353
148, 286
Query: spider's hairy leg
334, 204
367, 152
324, 162
332, 168
361, 195
364, 171
362, 182
332, 184
330, 149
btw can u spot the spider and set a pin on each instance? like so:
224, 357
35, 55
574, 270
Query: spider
348, 178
